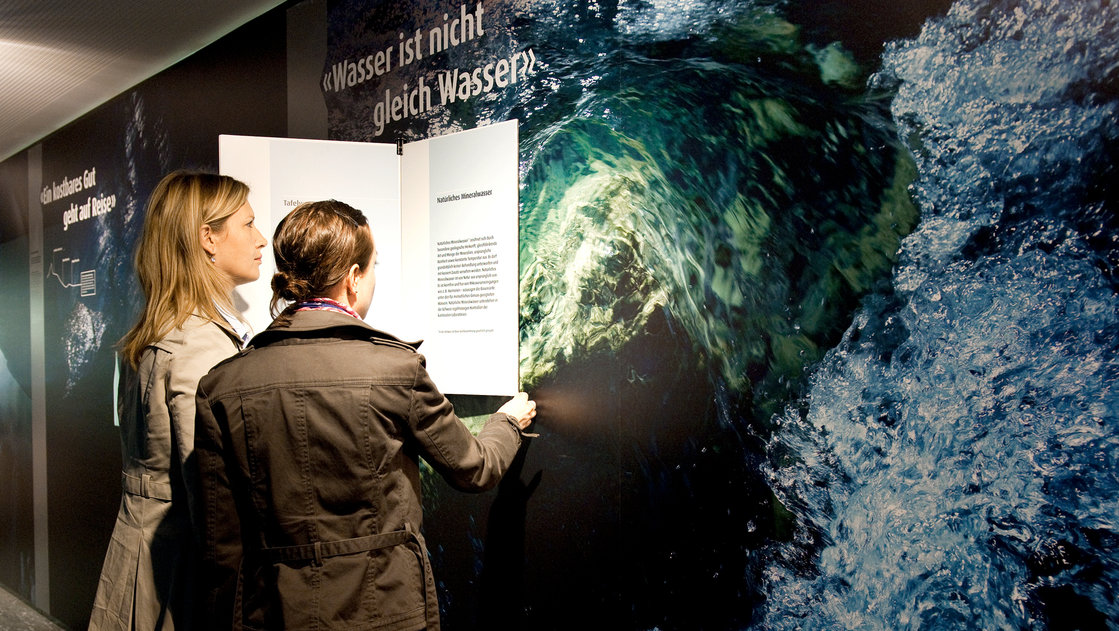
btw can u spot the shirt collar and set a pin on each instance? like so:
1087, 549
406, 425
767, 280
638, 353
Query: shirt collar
243, 331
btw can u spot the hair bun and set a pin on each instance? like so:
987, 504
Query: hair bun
315, 247
283, 287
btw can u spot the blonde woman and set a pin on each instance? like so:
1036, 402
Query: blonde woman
199, 241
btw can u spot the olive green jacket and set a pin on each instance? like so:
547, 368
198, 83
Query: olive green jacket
308, 444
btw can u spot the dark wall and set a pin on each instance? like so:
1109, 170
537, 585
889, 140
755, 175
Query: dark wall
235, 86
17, 526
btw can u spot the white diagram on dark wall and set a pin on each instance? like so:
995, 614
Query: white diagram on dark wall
67, 270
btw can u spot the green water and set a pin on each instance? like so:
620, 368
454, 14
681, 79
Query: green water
736, 183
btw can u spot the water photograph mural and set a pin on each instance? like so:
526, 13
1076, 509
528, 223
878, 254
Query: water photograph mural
817, 299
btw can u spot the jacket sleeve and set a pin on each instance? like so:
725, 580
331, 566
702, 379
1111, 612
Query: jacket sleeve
202, 349
217, 516
466, 462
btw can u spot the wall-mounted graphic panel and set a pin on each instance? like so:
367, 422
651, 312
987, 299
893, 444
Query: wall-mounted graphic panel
444, 218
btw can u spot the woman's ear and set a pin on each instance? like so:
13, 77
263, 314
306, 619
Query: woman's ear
206, 238
353, 278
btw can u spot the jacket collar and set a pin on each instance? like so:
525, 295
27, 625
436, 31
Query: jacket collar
321, 323
179, 334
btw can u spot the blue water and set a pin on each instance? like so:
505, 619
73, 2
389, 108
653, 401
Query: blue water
957, 465
876, 283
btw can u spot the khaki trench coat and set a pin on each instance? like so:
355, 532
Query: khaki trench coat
147, 580
308, 444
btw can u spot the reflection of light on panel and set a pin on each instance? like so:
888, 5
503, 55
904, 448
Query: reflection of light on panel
89, 282
116, 387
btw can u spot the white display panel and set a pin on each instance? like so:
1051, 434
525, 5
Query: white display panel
463, 188
444, 219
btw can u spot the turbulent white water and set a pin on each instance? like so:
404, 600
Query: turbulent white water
958, 464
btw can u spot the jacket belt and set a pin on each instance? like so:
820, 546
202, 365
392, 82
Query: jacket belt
316, 551
321, 549
145, 486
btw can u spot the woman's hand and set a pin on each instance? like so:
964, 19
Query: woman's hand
521, 408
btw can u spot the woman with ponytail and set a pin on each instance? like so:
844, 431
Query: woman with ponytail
199, 241
308, 445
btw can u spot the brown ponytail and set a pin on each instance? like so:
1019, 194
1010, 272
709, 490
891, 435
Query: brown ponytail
315, 246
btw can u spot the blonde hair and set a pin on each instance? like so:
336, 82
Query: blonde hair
175, 272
